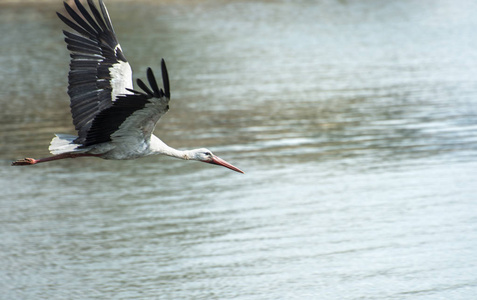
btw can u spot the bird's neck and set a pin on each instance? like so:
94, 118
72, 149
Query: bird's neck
159, 147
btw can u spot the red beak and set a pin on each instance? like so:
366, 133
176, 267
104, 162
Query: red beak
219, 161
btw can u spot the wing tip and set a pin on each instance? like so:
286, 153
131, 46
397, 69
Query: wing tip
153, 83
154, 90
165, 79
144, 87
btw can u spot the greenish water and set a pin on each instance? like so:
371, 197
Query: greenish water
354, 122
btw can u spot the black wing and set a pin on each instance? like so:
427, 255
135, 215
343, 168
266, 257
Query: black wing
99, 72
132, 117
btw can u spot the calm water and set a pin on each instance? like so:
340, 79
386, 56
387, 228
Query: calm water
354, 122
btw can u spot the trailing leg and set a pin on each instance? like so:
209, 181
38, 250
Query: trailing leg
31, 161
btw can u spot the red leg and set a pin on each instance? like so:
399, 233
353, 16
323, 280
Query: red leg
32, 161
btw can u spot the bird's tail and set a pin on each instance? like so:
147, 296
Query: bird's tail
63, 143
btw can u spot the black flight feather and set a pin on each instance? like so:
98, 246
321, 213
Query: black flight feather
97, 15
87, 16
107, 19
81, 21
165, 79
144, 87
152, 81
73, 25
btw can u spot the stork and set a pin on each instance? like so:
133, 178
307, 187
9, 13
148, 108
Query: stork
113, 120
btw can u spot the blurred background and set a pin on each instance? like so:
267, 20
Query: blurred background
354, 121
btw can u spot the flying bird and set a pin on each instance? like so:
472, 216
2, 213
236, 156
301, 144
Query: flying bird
113, 120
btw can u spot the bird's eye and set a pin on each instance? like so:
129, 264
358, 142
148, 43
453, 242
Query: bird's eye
208, 153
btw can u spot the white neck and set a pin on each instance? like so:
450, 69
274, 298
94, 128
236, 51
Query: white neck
159, 147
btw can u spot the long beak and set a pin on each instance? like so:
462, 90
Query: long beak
219, 161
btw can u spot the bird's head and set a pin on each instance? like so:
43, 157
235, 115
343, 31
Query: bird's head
205, 155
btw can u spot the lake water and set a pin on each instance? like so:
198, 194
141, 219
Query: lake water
354, 121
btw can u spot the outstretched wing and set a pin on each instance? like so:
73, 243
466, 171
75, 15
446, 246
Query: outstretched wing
99, 72
132, 117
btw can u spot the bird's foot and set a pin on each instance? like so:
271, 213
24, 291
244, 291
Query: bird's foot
24, 162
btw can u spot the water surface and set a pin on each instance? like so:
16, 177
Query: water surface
354, 122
